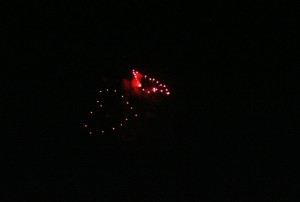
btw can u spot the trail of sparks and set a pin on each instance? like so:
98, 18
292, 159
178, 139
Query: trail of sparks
142, 85
117, 125
148, 85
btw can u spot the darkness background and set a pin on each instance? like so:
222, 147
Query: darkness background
229, 130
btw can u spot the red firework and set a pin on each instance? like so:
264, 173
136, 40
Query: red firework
101, 120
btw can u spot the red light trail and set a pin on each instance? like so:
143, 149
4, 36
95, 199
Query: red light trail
140, 85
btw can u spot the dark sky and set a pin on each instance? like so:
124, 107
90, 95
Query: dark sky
223, 132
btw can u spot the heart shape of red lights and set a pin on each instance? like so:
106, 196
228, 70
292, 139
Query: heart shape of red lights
141, 85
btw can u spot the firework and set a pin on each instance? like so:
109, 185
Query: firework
113, 110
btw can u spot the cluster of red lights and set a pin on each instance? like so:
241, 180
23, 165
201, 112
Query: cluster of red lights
143, 84
118, 125
152, 85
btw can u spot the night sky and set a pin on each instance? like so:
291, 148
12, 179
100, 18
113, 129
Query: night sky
229, 129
